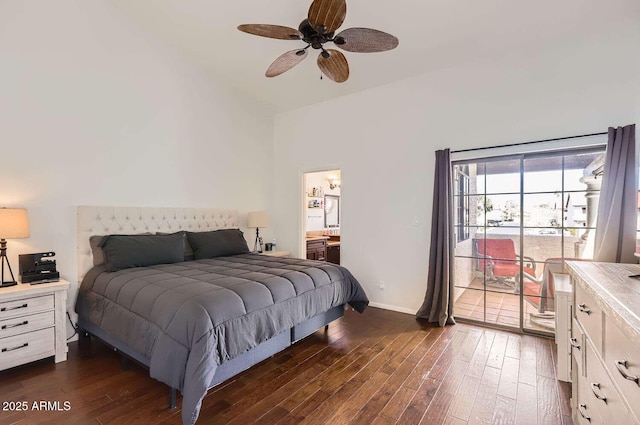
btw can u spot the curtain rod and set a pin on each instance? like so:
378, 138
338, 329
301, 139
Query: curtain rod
529, 143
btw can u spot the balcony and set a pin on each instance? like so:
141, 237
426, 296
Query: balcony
496, 300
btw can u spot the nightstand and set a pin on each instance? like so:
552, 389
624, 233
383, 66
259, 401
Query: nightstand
33, 323
276, 253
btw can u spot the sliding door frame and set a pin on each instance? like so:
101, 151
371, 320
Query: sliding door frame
521, 157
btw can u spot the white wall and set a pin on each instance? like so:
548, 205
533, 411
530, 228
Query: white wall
385, 138
94, 111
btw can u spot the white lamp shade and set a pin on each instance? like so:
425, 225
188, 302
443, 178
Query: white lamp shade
14, 223
258, 219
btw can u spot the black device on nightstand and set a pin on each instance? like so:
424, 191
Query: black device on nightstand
38, 268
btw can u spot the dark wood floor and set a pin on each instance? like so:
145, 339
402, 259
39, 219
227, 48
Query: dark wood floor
377, 368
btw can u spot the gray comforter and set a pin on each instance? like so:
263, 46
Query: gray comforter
190, 317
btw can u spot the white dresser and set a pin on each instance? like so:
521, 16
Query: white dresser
606, 343
33, 323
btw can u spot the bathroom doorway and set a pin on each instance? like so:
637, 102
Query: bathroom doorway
322, 215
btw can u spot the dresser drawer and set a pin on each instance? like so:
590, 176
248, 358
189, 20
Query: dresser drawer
585, 405
576, 342
589, 315
24, 348
622, 358
604, 396
24, 324
25, 306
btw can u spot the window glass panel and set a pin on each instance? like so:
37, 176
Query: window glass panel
461, 202
509, 311
500, 211
465, 264
543, 174
583, 168
469, 303
503, 176
476, 210
540, 245
543, 210
534, 314
471, 171
497, 258
580, 209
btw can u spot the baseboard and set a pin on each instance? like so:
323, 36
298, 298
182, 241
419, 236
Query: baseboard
393, 308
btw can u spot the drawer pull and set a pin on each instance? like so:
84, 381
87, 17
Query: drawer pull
574, 343
581, 408
26, 344
583, 308
595, 393
623, 368
26, 322
25, 305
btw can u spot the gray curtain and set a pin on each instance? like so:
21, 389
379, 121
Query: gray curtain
615, 239
438, 302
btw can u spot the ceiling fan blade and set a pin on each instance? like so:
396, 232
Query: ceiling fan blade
335, 66
285, 62
271, 31
365, 40
329, 13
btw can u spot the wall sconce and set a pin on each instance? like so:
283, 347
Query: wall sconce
333, 182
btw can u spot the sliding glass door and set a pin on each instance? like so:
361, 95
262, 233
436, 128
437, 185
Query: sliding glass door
516, 218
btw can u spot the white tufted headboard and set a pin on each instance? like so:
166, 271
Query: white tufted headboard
131, 220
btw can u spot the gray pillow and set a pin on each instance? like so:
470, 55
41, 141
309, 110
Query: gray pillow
126, 251
95, 242
218, 243
188, 251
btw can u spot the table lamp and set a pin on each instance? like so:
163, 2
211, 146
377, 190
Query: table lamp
14, 224
258, 219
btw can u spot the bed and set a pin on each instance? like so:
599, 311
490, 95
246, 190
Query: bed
198, 322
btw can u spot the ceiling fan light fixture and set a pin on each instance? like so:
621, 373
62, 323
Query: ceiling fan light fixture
324, 18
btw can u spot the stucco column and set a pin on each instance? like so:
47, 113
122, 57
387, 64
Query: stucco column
593, 197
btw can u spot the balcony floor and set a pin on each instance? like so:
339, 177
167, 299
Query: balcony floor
502, 308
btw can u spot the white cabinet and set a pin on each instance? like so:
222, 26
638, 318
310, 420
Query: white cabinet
32, 323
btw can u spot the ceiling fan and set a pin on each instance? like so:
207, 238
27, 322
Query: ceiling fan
325, 17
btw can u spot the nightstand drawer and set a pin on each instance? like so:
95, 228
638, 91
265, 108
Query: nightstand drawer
25, 348
25, 306
24, 324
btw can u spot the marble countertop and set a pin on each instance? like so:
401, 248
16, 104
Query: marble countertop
316, 238
616, 293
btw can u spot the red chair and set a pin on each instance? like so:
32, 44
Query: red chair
541, 292
497, 258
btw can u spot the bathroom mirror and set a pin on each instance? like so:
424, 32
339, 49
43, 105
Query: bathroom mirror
331, 211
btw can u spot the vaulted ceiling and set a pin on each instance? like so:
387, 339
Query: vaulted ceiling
434, 34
